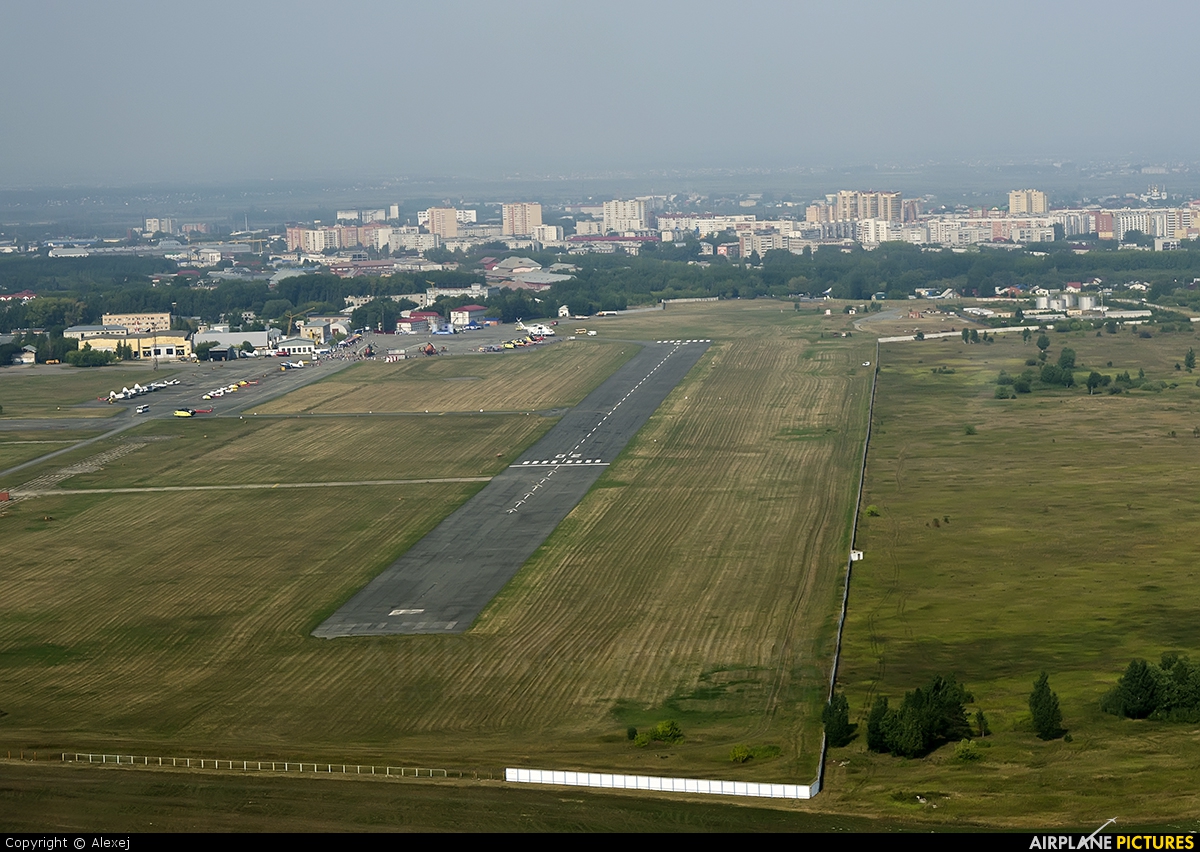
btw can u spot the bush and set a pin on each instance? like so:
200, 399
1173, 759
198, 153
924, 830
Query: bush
1005, 393
969, 430
631, 733
667, 732
739, 754
966, 751
872, 511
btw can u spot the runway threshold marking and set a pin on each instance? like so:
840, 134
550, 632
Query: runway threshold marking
556, 462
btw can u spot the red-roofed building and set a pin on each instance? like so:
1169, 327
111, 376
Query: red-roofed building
467, 314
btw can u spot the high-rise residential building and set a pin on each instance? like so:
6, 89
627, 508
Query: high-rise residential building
520, 220
621, 216
155, 226
442, 221
1028, 202
851, 205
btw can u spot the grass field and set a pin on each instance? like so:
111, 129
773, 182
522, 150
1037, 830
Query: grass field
698, 581
223, 451
556, 375
1059, 536
21, 445
60, 391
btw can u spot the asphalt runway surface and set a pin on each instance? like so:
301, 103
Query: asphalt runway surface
445, 580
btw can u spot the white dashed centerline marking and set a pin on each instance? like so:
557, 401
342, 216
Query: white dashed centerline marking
560, 459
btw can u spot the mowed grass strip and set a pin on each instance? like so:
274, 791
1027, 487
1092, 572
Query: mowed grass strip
1060, 536
60, 391
22, 445
554, 375
229, 451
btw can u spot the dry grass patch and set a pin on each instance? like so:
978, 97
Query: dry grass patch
227, 451
560, 374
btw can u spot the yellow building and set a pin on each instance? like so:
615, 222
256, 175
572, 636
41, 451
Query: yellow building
166, 345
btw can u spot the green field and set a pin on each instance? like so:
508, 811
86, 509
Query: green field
61, 391
1059, 536
698, 581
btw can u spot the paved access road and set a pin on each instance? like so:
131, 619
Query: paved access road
444, 581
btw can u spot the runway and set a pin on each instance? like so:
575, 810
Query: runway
444, 581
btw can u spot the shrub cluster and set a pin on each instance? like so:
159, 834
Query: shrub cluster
664, 732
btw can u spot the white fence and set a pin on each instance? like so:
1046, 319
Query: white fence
226, 765
654, 783
938, 335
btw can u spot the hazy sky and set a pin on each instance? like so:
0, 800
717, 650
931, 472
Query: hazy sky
125, 92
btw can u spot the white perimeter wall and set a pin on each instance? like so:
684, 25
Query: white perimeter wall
658, 784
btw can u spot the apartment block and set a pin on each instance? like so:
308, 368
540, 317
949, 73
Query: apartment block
520, 220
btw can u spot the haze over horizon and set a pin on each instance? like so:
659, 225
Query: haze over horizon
132, 92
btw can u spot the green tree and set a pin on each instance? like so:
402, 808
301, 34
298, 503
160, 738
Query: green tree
1189, 360
981, 724
836, 717
1043, 704
1066, 359
1026, 335
1136, 694
876, 736
1043, 342
966, 335
927, 718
